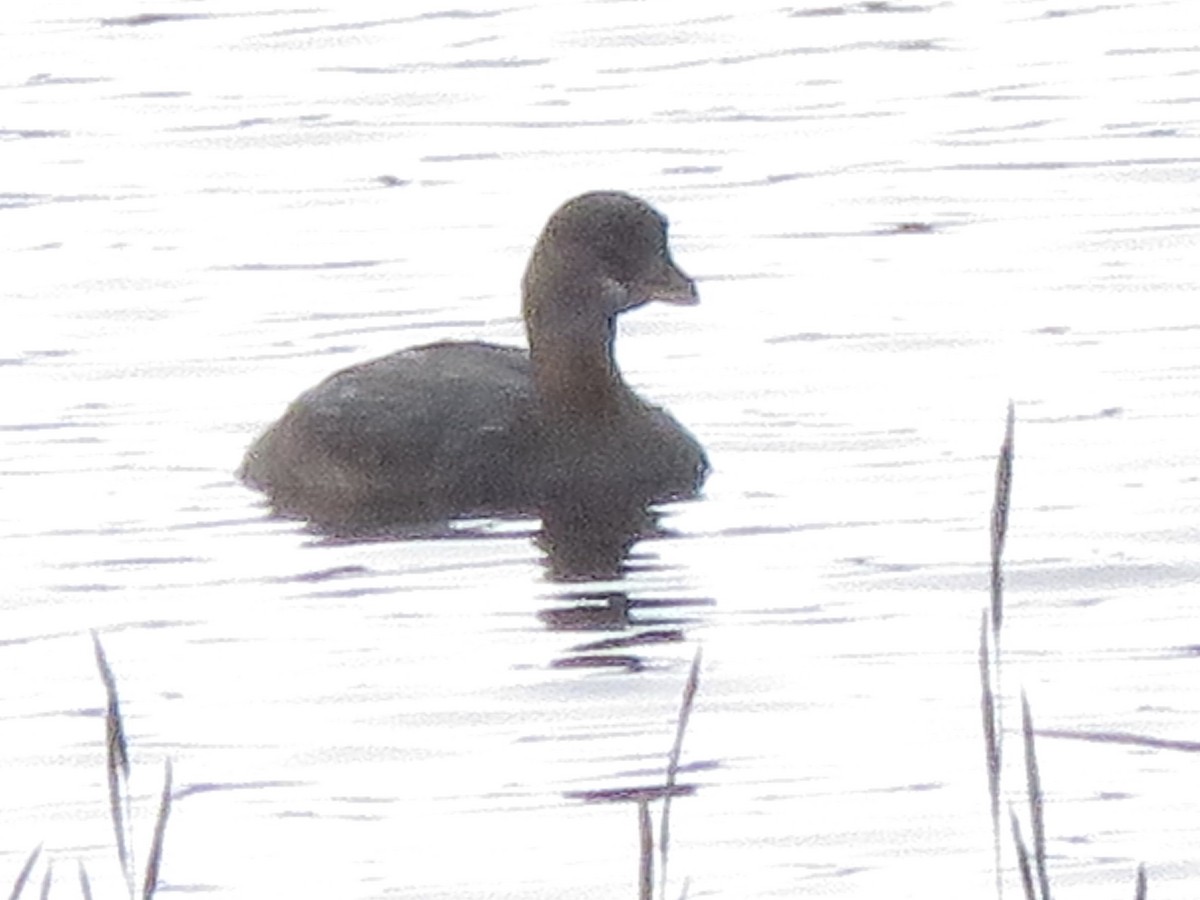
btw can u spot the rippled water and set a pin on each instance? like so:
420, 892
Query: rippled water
900, 216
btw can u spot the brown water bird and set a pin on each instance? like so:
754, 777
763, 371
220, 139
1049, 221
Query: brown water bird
457, 429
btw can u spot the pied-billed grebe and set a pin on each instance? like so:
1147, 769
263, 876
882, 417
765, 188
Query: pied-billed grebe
464, 428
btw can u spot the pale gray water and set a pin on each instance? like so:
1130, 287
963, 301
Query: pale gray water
204, 215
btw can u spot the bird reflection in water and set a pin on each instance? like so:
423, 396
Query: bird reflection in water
635, 622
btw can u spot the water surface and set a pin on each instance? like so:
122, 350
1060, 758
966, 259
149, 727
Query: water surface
900, 215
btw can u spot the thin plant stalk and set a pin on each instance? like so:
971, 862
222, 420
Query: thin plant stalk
1031, 862
47, 881
989, 642
85, 883
23, 875
1022, 858
646, 856
1033, 786
685, 712
1000, 507
991, 741
154, 859
118, 767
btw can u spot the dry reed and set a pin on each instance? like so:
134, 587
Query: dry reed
116, 764
1037, 807
989, 639
119, 796
26, 870
47, 880
1031, 860
85, 884
154, 860
685, 712
646, 854
120, 804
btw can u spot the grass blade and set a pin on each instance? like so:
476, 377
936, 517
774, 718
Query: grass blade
118, 748
1022, 859
1033, 787
154, 860
685, 712
1000, 506
991, 739
85, 883
646, 856
990, 670
47, 880
117, 763
23, 875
